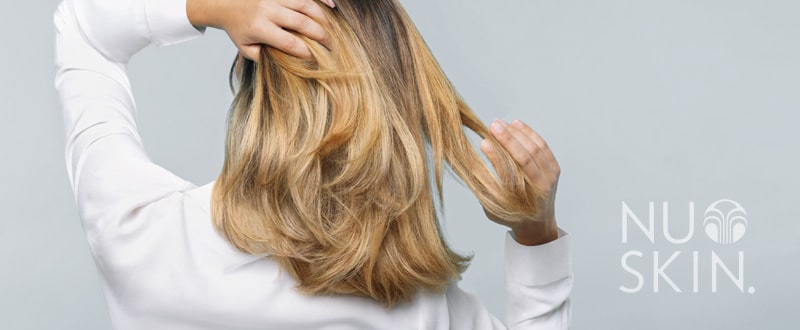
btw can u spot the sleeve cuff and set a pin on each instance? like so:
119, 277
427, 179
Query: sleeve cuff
540, 264
168, 22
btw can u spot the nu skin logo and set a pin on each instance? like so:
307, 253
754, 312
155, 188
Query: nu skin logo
724, 222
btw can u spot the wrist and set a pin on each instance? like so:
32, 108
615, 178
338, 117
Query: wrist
535, 233
200, 13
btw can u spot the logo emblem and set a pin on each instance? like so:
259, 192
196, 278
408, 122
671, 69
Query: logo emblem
725, 221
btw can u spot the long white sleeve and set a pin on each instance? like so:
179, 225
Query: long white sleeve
109, 171
539, 281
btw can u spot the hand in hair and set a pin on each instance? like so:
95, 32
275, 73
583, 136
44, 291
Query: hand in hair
533, 155
250, 23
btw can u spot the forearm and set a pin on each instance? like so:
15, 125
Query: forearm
119, 29
99, 37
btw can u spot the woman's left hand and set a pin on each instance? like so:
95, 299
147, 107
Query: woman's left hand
250, 23
539, 164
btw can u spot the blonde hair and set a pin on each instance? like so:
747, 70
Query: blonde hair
326, 167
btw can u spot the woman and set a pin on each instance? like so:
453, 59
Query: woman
323, 216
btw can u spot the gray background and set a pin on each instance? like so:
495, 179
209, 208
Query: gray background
642, 101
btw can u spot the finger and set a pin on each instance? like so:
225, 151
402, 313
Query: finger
534, 149
329, 3
491, 154
299, 22
517, 151
308, 8
527, 130
251, 52
284, 41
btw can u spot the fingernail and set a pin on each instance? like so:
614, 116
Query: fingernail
503, 122
497, 127
331, 4
517, 123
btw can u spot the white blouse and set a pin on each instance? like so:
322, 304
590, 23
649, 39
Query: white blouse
163, 264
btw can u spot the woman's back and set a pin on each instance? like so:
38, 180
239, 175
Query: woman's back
178, 273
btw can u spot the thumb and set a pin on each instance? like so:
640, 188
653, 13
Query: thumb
252, 52
499, 159
491, 153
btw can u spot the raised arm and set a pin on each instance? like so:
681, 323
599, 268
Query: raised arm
109, 170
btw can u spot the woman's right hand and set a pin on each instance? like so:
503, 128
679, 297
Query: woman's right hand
250, 23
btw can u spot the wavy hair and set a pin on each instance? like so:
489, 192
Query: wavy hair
328, 161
